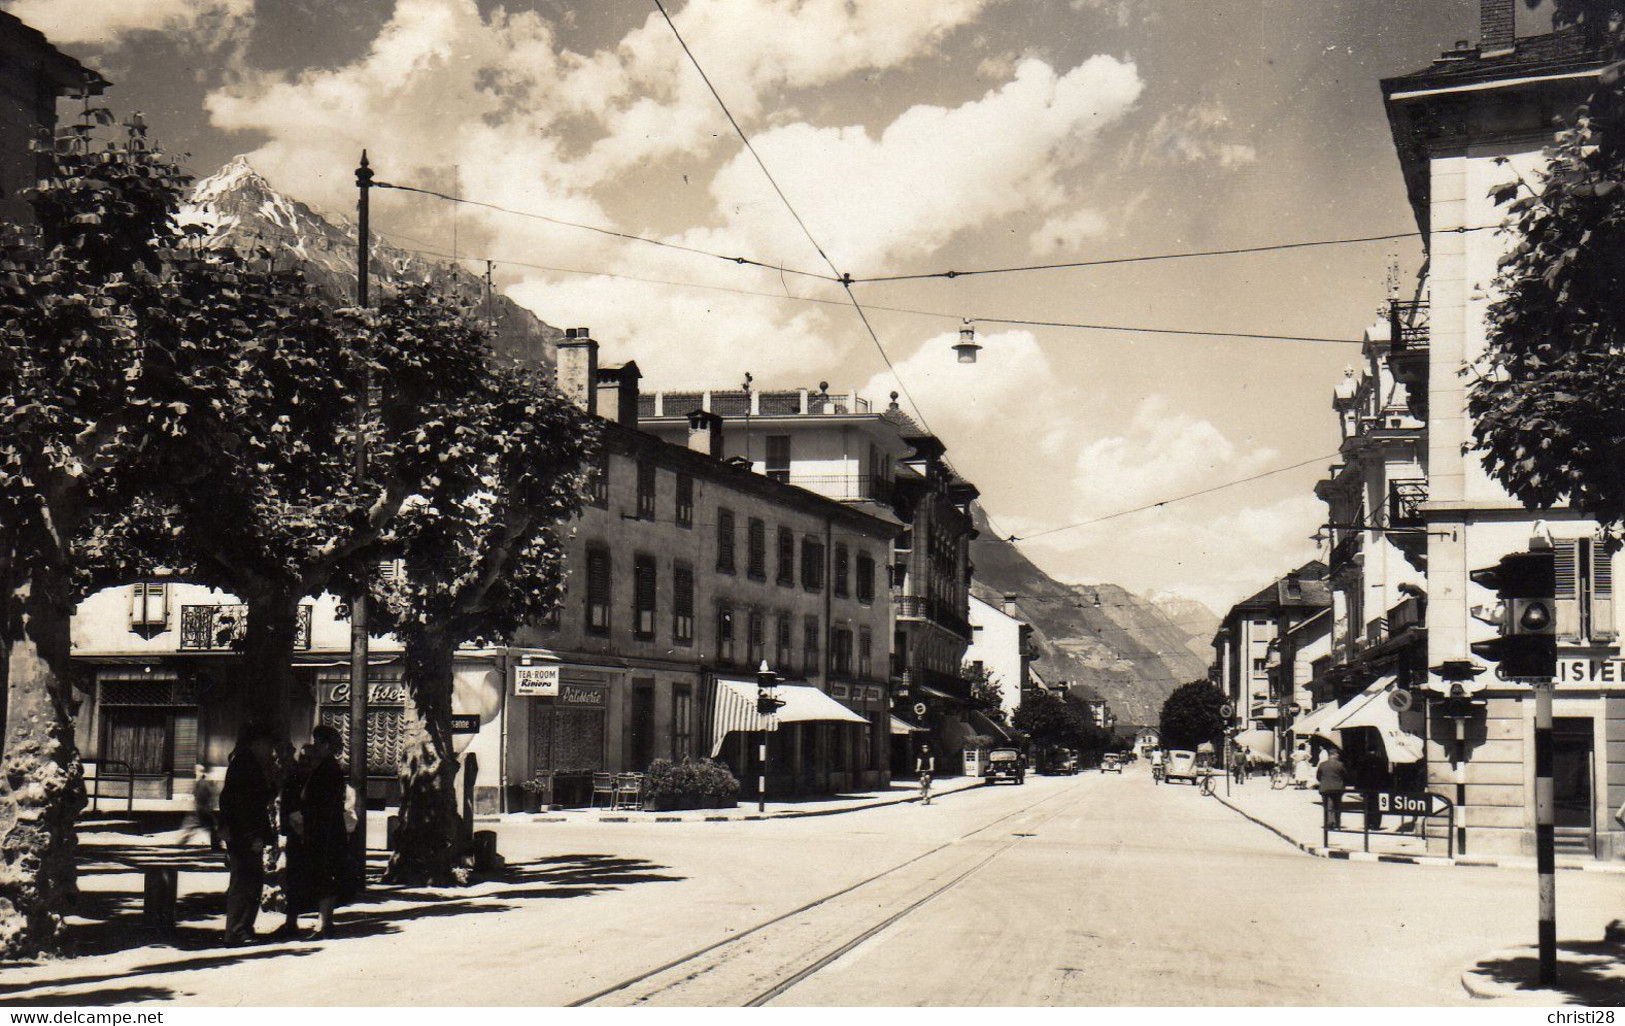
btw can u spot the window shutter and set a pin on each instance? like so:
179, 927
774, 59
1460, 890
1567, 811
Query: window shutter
1602, 594
1567, 593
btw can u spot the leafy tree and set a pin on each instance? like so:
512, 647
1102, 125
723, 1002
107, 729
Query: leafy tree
481, 557
77, 414
1055, 722
986, 692
1193, 714
1548, 399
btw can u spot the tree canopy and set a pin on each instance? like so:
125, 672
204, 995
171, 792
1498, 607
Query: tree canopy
1193, 714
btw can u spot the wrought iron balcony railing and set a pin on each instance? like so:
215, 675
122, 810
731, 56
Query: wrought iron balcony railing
224, 627
917, 607
1408, 325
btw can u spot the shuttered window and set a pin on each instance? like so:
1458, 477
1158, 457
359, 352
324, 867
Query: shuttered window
1584, 592
598, 587
646, 490
809, 646
784, 655
643, 596
866, 651
812, 564
757, 633
866, 577
787, 556
843, 571
725, 633
682, 604
685, 500
756, 549
725, 541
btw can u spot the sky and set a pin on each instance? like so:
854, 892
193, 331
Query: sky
909, 136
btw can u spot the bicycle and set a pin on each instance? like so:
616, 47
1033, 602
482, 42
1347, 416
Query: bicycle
1206, 783
1280, 778
925, 788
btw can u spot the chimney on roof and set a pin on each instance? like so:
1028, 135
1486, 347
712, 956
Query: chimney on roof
618, 393
1497, 31
578, 369
705, 433
1008, 606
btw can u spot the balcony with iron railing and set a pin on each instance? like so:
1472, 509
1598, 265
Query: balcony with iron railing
841, 487
1408, 322
223, 627
930, 610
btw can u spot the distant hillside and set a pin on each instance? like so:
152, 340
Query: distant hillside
1127, 648
239, 208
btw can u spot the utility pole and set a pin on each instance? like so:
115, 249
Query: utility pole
358, 602
1545, 840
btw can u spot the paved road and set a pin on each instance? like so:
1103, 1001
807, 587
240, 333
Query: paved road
1087, 890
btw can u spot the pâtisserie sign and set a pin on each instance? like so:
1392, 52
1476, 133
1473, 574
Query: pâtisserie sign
379, 692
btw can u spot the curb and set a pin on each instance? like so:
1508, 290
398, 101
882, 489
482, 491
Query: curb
728, 817
1321, 852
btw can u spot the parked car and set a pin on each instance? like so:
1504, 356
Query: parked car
1179, 764
1060, 762
1111, 763
1005, 764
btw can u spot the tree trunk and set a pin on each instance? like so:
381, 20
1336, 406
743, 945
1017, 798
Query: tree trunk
428, 837
41, 780
268, 679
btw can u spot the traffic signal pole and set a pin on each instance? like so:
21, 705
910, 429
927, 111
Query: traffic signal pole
1545, 831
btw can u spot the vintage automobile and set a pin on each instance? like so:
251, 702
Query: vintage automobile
1179, 764
1005, 764
1060, 762
1111, 762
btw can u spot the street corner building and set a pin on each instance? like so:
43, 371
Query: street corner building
720, 531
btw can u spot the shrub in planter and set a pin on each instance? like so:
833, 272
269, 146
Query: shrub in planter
536, 791
690, 784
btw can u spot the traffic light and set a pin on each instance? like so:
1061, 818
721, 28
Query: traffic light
1525, 582
766, 704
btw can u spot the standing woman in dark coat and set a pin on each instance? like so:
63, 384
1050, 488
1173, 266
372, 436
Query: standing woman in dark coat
318, 873
245, 823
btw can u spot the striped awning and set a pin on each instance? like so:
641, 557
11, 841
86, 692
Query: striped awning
803, 703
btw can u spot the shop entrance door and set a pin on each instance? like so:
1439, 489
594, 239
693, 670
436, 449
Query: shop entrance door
1573, 764
641, 749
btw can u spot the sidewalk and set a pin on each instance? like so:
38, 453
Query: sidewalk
899, 793
1295, 816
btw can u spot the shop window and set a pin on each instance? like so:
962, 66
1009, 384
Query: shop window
646, 490
598, 591
682, 604
756, 550
685, 500
725, 541
643, 596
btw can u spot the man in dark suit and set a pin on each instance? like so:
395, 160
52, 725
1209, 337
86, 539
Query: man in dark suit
245, 822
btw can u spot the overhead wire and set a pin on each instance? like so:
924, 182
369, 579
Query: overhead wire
1169, 502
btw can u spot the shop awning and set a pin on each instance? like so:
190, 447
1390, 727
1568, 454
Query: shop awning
803, 703
926, 689
1317, 723
986, 724
901, 726
1259, 743
1371, 709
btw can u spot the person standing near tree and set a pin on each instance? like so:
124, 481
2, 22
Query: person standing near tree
245, 825
318, 846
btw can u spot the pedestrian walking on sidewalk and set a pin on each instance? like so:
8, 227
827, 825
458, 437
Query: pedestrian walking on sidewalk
318, 849
245, 825
925, 764
1330, 780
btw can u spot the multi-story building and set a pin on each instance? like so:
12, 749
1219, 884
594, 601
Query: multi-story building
1247, 654
686, 573
837, 445
33, 75
1001, 645
1462, 127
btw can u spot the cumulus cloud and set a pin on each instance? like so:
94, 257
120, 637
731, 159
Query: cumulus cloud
933, 171
1200, 133
1163, 452
105, 24
1066, 232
